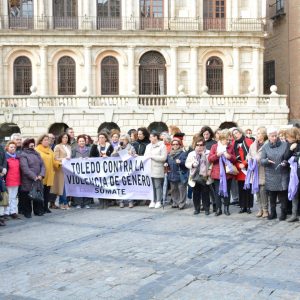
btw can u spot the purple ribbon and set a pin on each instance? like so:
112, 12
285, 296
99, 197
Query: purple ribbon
223, 180
252, 171
294, 180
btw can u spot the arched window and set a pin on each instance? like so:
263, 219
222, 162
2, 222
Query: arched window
65, 14
152, 14
214, 75
109, 76
108, 14
152, 74
214, 14
20, 13
66, 76
22, 76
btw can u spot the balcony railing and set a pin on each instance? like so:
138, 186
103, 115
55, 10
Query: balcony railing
207, 101
132, 23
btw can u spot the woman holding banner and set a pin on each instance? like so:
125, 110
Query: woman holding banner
157, 151
103, 148
81, 151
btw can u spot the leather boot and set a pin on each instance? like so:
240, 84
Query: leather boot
226, 210
214, 208
218, 212
294, 217
272, 215
282, 215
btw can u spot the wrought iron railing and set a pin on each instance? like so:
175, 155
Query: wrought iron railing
130, 23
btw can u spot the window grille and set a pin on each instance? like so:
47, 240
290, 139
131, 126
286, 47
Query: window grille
214, 76
66, 69
22, 76
109, 76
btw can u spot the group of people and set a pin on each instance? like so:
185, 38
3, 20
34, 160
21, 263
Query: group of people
215, 170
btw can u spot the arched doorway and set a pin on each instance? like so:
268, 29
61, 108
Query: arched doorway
108, 126
57, 128
6, 130
152, 74
158, 126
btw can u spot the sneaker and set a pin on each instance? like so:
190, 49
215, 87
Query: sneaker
121, 205
62, 206
158, 204
152, 204
78, 206
86, 206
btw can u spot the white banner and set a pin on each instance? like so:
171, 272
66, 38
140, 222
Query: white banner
109, 178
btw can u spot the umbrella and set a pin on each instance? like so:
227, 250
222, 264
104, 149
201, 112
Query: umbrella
165, 189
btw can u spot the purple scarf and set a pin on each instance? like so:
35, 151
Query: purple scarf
252, 169
223, 180
294, 180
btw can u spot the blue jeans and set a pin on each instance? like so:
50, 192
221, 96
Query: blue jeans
63, 198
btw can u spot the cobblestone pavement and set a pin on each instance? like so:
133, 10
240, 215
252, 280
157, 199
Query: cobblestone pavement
149, 254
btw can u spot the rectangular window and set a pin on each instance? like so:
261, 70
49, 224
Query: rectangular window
269, 75
279, 6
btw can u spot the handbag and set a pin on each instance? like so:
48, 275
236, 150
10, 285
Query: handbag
231, 170
36, 192
199, 178
4, 199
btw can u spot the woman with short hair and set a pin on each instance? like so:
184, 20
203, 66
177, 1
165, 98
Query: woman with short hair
157, 151
220, 155
32, 170
47, 155
256, 172
273, 158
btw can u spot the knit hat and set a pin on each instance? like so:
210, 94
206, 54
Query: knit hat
179, 135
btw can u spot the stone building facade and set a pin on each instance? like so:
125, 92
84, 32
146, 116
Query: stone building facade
282, 54
80, 63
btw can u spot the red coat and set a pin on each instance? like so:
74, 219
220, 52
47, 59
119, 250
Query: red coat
214, 159
13, 176
242, 158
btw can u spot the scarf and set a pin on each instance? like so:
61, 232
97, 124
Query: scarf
252, 169
223, 180
202, 167
174, 153
294, 180
9, 155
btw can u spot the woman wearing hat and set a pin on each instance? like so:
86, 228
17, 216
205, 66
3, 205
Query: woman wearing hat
273, 158
177, 173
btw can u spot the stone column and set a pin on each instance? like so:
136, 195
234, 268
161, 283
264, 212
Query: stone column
172, 90
234, 9
5, 13
173, 9
131, 70
194, 71
261, 71
254, 9
43, 90
236, 71
88, 69
255, 69
193, 8
1, 71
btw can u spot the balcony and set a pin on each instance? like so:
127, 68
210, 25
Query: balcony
145, 101
133, 23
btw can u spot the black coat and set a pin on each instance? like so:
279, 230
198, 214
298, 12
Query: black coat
95, 152
140, 146
3, 162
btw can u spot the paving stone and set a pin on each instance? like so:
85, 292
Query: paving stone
149, 254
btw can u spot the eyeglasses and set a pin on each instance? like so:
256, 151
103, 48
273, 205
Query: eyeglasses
200, 145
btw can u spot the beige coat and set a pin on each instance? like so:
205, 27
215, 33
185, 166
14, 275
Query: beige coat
59, 154
158, 154
254, 154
